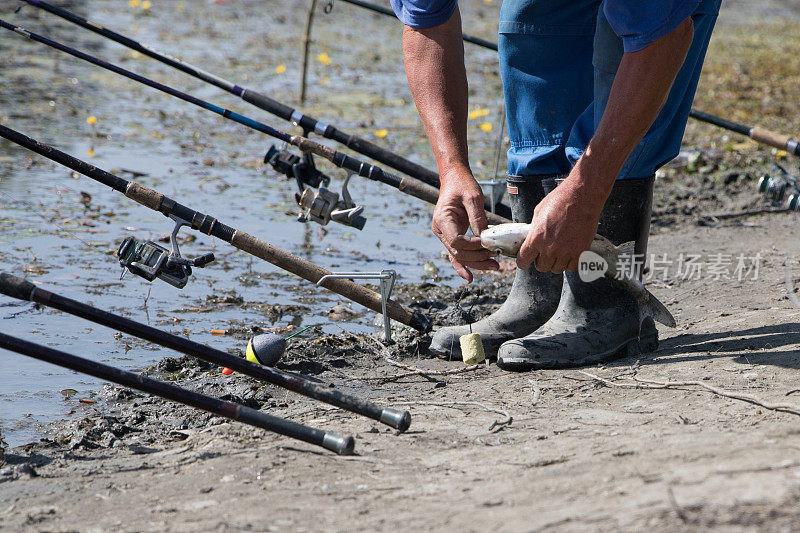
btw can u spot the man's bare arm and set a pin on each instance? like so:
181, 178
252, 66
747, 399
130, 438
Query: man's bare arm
434, 60
566, 220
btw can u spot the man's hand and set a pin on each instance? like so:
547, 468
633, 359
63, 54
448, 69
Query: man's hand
460, 206
563, 226
434, 59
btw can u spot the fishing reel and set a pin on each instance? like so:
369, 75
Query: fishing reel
149, 260
324, 205
781, 189
301, 168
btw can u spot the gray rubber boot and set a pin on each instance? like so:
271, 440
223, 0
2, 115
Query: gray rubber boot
595, 321
533, 297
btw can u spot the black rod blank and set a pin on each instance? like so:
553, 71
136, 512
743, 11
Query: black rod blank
331, 441
19, 288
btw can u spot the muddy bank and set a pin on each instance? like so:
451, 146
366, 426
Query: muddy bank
487, 450
486, 447
116, 417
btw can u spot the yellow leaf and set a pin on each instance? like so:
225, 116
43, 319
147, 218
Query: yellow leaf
134, 3
381, 133
90, 151
147, 4
780, 153
324, 59
280, 69
741, 145
486, 126
475, 113
92, 120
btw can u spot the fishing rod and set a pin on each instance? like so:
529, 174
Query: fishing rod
234, 411
21, 289
756, 133
305, 172
386, 11
318, 205
209, 225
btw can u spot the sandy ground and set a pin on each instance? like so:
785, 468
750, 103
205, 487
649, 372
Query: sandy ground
490, 450
577, 454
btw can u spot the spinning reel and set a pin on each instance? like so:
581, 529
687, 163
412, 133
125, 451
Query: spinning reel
781, 189
149, 260
323, 205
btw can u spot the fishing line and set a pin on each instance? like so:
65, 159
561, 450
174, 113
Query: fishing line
39, 214
499, 146
301, 331
469, 311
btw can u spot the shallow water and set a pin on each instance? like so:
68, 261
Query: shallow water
204, 162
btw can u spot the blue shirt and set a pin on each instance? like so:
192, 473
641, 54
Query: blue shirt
637, 22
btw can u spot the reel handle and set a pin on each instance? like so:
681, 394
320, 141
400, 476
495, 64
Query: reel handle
203, 260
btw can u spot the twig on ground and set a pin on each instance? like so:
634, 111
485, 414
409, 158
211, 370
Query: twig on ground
639, 383
456, 405
537, 391
411, 370
674, 503
747, 213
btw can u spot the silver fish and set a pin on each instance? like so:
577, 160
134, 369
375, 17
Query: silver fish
506, 239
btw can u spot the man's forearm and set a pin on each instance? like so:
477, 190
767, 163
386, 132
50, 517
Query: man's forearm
434, 61
641, 87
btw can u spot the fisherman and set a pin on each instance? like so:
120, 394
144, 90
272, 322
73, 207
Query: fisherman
597, 96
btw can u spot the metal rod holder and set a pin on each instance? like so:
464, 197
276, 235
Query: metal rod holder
496, 188
387, 279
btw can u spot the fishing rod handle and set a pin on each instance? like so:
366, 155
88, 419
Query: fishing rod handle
283, 111
757, 133
313, 273
16, 287
431, 195
776, 140
395, 418
331, 441
339, 444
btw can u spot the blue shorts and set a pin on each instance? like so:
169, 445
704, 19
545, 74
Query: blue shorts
557, 65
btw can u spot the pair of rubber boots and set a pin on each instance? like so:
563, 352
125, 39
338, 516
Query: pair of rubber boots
557, 321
